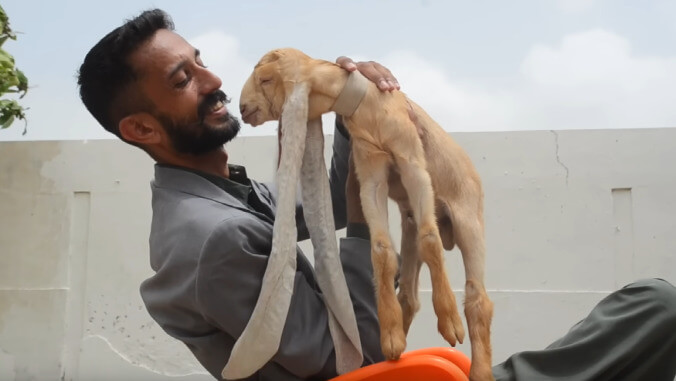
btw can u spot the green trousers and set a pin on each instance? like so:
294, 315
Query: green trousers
629, 335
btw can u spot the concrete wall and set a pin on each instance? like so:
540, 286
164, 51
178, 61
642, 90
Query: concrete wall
570, 216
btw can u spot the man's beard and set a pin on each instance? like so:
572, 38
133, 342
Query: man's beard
197, 138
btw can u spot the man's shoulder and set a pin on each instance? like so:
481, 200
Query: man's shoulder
181, 193
183, 221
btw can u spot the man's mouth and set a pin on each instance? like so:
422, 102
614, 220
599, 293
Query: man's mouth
218, 110
213, 105
217, 106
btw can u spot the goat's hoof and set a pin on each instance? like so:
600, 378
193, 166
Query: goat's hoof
481, 373
451, 329
393, 343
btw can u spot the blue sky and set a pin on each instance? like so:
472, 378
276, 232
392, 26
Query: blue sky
474, 65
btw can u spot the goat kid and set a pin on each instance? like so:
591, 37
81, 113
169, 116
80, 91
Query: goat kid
432, 180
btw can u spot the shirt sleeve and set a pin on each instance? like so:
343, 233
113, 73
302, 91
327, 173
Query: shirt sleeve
338, 172
230, 271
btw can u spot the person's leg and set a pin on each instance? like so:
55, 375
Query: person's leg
629, 335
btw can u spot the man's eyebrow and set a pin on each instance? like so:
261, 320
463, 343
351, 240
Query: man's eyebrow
181, 64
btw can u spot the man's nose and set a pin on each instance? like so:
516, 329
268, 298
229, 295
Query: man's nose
242, 109
210, 82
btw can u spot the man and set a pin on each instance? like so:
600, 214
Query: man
211, 230
212, 226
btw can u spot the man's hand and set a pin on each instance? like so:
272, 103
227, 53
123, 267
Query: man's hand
373, 71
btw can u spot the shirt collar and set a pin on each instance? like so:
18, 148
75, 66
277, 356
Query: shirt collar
237, 185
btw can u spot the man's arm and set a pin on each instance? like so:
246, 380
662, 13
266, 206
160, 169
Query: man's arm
229, 276
338, 172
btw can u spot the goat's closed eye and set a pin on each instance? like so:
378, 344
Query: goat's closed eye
265, 81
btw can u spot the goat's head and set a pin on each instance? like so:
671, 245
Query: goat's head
269, 86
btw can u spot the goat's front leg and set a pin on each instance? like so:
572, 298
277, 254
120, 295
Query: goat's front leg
418, 185
371, 167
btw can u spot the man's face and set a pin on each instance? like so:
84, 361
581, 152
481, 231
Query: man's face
187, 97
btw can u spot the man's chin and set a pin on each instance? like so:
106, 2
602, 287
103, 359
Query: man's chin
209, 142
231, 137
230, 130
211, 136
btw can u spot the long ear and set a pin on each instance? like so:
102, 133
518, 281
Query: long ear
262, 334
318, 213
293, 127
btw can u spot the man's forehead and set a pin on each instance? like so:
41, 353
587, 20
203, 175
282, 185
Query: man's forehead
161, 52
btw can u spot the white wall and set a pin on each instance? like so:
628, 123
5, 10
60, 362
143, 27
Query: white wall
570, 216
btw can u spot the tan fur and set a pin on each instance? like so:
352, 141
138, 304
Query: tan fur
433, 181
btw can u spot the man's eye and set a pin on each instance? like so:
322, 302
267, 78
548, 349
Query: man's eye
183, 83
201, 64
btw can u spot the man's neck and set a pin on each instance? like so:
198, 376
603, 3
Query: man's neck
214, 162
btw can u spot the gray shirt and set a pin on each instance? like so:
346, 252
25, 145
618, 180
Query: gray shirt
209, 244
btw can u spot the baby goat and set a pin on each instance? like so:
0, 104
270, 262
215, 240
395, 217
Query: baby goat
429, 176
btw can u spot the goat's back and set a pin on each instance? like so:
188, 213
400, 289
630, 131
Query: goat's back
449, 165
383, 121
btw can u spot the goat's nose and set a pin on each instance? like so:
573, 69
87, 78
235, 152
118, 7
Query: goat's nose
242, 109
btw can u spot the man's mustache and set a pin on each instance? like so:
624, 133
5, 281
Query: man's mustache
209, 102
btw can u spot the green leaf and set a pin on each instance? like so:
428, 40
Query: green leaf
6, 116
6, 57
8, 122
12, 80
23, 82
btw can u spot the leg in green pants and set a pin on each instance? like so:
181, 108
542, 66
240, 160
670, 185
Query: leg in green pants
629, 335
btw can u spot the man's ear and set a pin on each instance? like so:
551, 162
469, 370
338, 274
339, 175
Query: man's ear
140, 128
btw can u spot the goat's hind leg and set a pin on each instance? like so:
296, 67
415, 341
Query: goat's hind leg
418, 186
410, 268
372, 168
469, 235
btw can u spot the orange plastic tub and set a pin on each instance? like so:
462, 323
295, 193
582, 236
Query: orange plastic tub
429, 364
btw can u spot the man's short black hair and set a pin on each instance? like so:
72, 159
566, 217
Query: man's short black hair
106, 77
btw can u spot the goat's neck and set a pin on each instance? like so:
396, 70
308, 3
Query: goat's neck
327, 81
